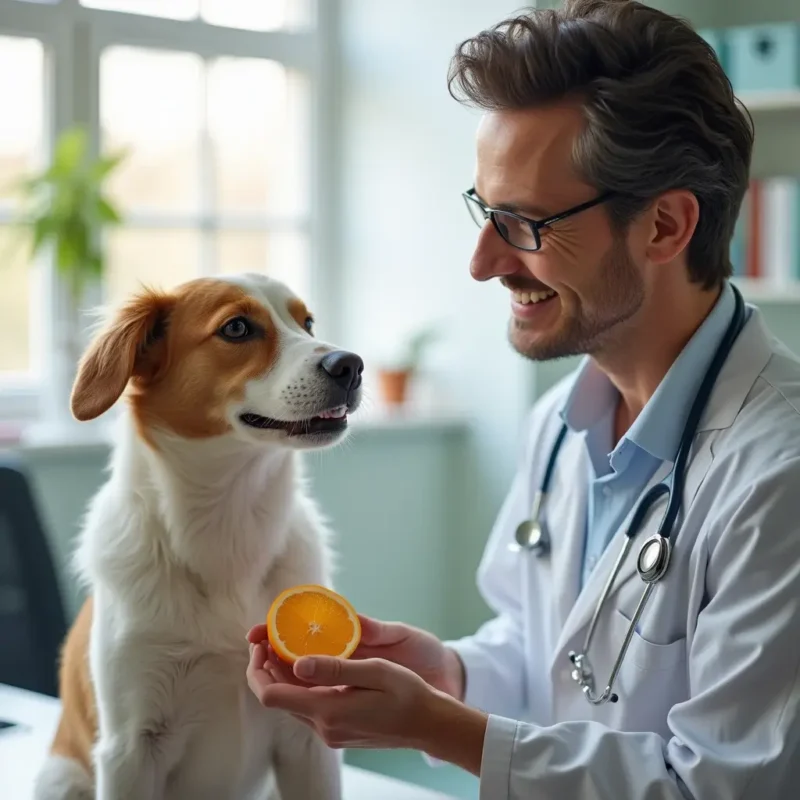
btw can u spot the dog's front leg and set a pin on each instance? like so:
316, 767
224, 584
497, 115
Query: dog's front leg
305, 767
129, 768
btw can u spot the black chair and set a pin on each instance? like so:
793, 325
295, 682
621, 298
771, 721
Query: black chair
32, 618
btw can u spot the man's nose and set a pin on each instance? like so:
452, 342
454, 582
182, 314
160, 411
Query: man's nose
493, 257
345, 368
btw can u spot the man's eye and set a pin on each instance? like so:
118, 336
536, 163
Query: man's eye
309, 325
236, 329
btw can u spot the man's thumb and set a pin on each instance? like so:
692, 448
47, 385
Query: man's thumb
331, 671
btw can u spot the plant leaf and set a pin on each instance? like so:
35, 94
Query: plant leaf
105, 164
106, 211
69, 152
43, 228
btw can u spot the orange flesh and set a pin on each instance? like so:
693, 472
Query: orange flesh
312, 622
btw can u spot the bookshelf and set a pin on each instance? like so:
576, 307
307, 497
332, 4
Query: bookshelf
776, 154
765, 291
767, 101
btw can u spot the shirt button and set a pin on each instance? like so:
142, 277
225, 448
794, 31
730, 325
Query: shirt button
607, 491
591, 562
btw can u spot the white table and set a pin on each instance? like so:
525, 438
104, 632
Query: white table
22, 749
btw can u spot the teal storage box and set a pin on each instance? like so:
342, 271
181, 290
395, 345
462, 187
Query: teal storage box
717, 41
764, 57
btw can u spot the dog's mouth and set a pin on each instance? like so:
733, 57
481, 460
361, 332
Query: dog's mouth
333, 420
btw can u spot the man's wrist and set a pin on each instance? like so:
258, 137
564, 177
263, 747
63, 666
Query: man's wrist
450, 731
457, 673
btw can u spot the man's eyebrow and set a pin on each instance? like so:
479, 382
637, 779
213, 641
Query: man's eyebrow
525, 210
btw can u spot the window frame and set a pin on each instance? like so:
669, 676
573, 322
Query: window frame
74, 38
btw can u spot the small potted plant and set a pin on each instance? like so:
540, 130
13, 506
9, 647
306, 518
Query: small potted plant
64, 212
395, 377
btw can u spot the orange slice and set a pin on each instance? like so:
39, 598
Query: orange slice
311, 620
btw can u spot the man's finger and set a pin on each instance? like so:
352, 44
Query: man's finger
282, 671
372, 673
257, 677
258, 656
297, 700
257, 634
376, 633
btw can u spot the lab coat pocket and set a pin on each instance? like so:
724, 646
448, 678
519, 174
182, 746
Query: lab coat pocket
646, 655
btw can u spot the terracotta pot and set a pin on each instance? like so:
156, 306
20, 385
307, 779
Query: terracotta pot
394, 386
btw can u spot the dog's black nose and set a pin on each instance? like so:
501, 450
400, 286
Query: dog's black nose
345, 369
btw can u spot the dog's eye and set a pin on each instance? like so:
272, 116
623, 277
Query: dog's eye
236, 329
309, 325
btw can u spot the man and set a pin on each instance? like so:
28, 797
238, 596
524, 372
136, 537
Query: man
615, 124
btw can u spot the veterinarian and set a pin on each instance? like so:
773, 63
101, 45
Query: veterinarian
644, 571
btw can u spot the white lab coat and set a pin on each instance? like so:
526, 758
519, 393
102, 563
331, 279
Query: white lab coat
709, 693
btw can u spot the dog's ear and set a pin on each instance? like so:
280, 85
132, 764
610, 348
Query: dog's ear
133, 344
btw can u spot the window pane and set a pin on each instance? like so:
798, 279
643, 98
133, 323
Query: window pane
18, 281
257, 15
174, 9
281, 254
150, 103
159, 259
258, 124
22, 103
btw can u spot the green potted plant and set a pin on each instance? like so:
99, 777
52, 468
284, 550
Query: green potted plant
64, 211
395, 377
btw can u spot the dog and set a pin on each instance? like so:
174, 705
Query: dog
204, 519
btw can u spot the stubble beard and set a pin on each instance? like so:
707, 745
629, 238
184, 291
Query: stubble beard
618, 296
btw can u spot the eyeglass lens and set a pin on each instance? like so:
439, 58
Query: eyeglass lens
514, 230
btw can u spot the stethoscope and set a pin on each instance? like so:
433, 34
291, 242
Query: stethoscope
654, 555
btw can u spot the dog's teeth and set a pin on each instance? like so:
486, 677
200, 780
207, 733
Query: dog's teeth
335, 413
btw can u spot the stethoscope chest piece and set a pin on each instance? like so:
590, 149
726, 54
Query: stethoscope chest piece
531, 535
653, 559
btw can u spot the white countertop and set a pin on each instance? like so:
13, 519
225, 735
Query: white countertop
23, 747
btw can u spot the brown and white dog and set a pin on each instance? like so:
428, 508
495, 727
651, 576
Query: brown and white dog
203, 520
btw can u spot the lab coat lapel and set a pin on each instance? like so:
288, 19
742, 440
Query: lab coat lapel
566, 518
574, 627
581, 612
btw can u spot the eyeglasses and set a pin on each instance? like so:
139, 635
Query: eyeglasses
519, 231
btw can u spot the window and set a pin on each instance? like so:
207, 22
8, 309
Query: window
254, 15
216, 180
217, 105
21, 148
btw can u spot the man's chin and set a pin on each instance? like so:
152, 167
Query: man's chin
533, 346
542, 348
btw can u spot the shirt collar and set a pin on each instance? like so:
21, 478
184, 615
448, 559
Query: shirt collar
659, 426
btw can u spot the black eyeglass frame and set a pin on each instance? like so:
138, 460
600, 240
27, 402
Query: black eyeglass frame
470, 197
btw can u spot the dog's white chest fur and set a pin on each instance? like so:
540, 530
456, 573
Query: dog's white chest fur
185, 553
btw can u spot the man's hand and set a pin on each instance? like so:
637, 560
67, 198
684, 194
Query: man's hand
371, 703
412, 648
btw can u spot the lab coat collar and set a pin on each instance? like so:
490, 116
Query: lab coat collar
750, 354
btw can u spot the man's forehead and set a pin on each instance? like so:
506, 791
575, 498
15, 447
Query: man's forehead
524, 154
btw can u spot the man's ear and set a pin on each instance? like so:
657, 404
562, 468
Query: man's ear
132, 344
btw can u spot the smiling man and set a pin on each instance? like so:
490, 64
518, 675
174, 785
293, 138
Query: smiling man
612, 159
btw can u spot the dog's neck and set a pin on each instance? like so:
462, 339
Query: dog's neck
224, 504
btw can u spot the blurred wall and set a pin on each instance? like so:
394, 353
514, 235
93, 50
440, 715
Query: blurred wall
407, 153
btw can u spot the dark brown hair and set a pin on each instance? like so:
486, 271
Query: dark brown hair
660, 111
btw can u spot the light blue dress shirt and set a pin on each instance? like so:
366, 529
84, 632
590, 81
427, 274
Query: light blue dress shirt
618, 474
